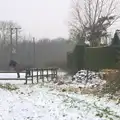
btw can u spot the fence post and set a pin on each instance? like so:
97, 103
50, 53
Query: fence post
87, 76
52, 73
47, 74
32, 76
26, 77
42, 75
37, 75
56, 74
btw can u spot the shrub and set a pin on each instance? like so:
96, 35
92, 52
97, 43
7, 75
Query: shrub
113, 83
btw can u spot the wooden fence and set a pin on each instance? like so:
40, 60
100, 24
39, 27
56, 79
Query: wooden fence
41, 73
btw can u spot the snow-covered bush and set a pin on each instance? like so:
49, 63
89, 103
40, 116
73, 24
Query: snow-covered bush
91, 77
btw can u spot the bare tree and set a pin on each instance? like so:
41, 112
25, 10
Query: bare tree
92, 21
5, 31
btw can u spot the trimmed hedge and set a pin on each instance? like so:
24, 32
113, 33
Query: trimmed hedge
78, 57
94, 58
100, 58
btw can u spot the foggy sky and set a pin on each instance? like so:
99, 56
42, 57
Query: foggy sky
42, 18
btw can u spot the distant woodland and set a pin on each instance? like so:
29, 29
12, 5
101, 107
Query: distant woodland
42, 53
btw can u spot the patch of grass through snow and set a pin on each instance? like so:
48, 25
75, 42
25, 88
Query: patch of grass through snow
106, 113
99, 111
8, 86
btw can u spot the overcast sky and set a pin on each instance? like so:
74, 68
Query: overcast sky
42, 18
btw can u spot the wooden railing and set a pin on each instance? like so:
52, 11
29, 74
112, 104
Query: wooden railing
40, 73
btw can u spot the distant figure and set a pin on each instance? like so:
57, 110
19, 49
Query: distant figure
18, 68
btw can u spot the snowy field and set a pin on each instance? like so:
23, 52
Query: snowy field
44, 102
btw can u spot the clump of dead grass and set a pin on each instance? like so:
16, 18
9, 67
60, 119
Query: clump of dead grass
112, 83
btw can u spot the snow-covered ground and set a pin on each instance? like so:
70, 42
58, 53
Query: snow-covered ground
44, 102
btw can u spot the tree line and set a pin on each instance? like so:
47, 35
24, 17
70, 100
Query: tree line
43, 53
